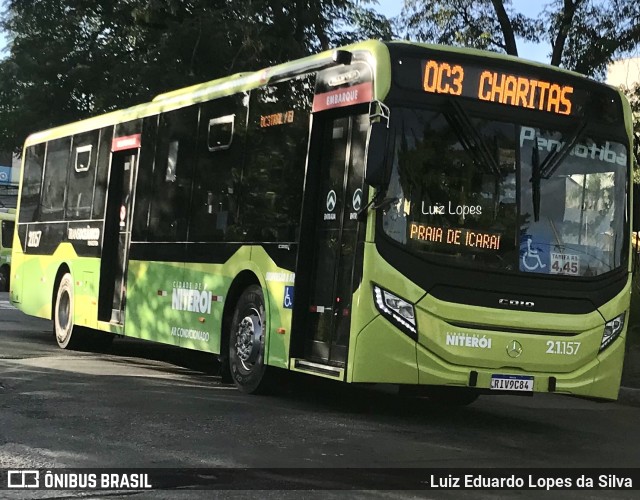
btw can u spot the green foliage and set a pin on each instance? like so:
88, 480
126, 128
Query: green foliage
597, 32
467, 23
583, 35
70, 59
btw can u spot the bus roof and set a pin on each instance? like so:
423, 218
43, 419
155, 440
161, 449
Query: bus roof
246, 81
213, 89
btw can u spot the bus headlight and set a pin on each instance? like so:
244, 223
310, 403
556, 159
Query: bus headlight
612, 330
400, 312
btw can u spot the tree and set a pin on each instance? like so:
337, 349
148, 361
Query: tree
70, 59
583, 35
482, 24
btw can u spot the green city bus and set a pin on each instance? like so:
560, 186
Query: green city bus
452, 221
7, 223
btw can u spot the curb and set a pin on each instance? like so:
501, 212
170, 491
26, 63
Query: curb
629, 396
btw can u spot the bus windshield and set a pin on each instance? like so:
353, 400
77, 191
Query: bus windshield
506, 196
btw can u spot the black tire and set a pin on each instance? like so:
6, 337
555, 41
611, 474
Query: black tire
247, 334
4, 279
67, 336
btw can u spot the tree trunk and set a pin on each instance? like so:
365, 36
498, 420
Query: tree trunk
565, 24
507, 29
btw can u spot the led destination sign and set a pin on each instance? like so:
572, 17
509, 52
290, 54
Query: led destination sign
450, 236
440, 77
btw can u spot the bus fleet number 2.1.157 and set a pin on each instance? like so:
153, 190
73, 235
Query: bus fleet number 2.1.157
562, 347
34, 239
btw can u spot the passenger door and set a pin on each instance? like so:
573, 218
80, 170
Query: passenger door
335, 258
117, 235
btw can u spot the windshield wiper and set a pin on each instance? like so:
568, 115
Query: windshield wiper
550, 164
470, 139
536, 171
556, 157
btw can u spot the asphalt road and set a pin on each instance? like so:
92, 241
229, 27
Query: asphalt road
146, 405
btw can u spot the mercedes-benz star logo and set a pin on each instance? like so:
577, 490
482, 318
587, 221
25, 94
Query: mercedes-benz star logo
514, 349
331, 200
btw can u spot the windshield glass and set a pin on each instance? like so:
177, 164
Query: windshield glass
506, 196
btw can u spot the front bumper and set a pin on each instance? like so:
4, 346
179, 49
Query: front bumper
383, 354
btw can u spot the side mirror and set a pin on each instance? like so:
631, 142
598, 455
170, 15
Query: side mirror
375, 171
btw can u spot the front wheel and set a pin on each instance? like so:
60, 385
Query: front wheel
246, 342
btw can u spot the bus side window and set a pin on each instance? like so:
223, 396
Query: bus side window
82, 176
218, 165
32, 182
55, 179
144, 182
273, 177
7, 234
220, 133
103, 155
175, 150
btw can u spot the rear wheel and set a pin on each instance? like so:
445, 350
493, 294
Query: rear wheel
71, 336
66, 335
246, 342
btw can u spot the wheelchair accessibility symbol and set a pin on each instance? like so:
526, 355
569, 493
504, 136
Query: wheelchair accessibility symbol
531, 259
287, 303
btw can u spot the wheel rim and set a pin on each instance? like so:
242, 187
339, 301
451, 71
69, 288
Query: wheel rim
63, 316
248, 342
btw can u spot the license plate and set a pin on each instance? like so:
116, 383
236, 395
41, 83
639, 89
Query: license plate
511, 383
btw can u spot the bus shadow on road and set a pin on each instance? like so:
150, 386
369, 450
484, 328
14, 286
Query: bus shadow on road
380, 403
200, 363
